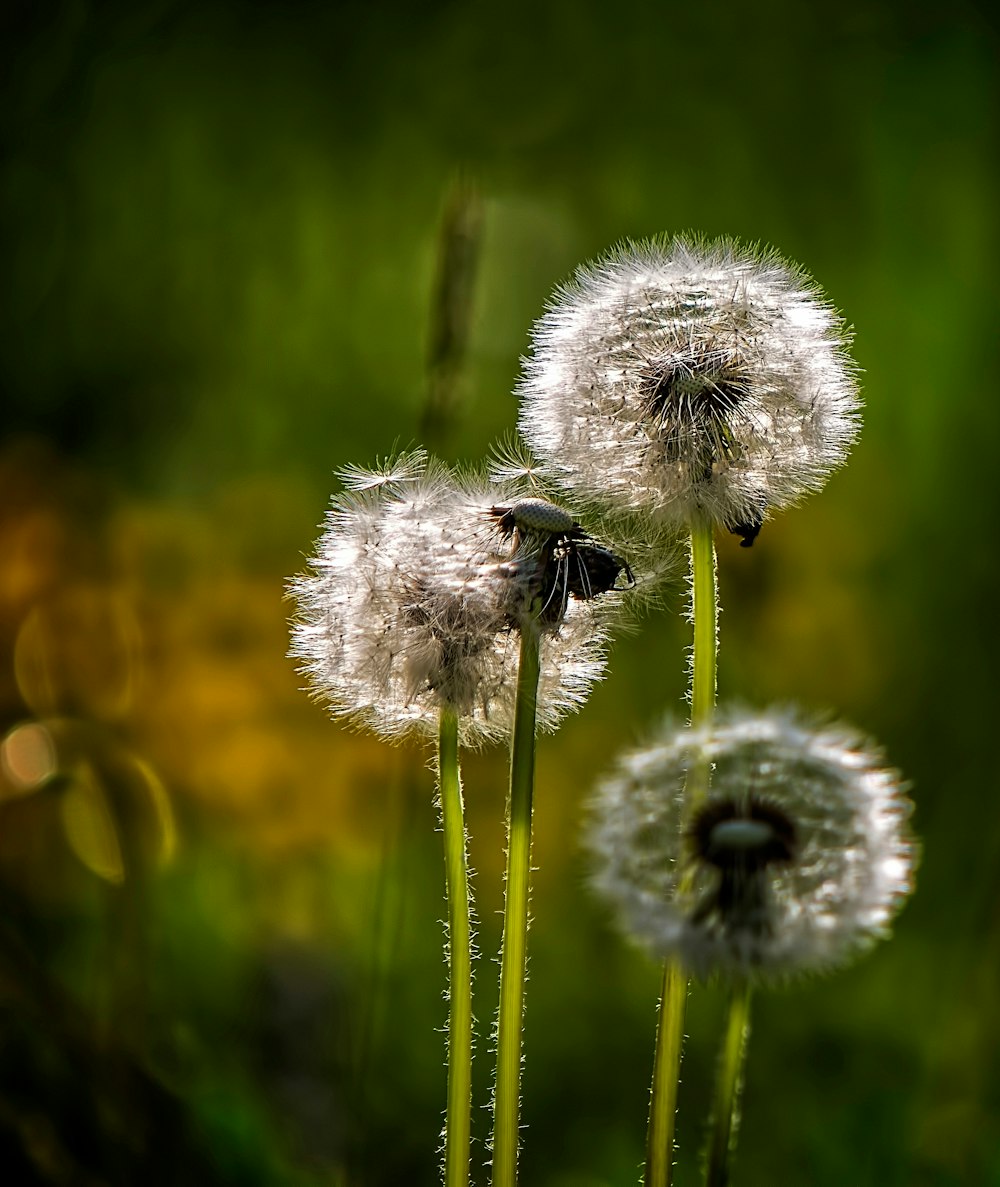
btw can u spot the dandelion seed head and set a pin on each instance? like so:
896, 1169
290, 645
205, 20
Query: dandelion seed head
797, 860
415, 597
690, 380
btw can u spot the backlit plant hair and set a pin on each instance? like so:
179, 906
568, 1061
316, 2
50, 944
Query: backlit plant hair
413, 599
693, 380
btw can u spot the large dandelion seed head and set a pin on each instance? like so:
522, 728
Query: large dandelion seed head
421, 583
797, 860
691, 380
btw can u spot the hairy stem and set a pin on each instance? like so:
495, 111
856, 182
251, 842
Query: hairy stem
513, 954
670, 1024
666, 1077
705, 619
728, 1087
456, 1153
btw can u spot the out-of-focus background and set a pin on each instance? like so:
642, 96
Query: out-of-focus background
223, 227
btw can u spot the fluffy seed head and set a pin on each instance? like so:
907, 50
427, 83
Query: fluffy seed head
690, 379
798, 859
416, 594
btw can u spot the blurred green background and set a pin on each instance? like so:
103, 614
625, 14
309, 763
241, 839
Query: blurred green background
220, 948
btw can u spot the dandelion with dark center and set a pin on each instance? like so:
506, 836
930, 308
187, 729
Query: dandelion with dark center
797, 860
690, 380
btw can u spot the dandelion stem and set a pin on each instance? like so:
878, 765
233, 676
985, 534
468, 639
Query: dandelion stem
666, 1077
513, 955
705, 618
729, 1085
456, 1157
670, 1024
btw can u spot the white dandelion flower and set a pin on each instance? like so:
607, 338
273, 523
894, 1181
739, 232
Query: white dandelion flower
419, 585
691, 380
797, 860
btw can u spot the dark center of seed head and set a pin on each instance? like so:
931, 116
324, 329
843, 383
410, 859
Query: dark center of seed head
748, 834
697, 387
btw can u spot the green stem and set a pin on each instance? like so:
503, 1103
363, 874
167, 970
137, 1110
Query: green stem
704, 656
513, 953
729, 1085
670, 1025
705, 619
666, 1077
456, 1156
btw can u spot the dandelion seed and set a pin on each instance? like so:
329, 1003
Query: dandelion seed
511, 462
691, 380
416, 593
798, 859
392, 472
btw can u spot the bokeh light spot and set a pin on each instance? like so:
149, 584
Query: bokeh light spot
27, 759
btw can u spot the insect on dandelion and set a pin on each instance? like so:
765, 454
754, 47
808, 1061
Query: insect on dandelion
592, 567
798, 858
572, 564
696, 381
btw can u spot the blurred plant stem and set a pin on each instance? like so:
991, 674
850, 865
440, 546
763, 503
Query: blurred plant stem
513, 952
728, 1086
456, 1159
670, 1024
459, 236
387, 914
459, 240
